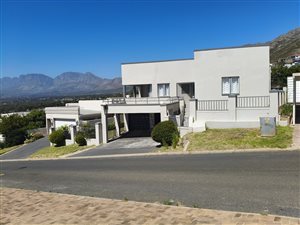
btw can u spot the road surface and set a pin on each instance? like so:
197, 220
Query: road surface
251, 182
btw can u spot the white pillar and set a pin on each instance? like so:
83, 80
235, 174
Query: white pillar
98, 128
125, 119
117, 125
104, 123
163, 113
72, 129
192, 111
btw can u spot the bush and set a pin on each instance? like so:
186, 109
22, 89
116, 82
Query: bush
37, 136
175, 140
79, 139
164, 132
58, 137
33, 137
286, 110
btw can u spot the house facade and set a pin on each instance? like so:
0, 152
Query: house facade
293, 94
217, 88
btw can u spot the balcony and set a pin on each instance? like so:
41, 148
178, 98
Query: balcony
142, 101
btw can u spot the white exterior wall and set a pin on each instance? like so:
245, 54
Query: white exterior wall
93, 105
250, 64
206, 70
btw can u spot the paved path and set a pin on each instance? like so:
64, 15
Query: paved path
128, 145
296, 136
30, 207
26, 150
248, 182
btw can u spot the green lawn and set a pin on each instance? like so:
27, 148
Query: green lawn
54, 152
218, 139
4, 150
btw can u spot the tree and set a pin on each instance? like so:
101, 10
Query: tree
13, 128
36, 119
280, 74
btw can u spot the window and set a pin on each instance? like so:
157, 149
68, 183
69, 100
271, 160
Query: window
230, 85
163, 90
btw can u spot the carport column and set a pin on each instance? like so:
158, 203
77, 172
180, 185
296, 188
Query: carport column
72, 129
104, 123
125, 119
163, 113
116, 119
98, 128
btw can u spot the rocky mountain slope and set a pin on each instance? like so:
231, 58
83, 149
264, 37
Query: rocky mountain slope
68, 83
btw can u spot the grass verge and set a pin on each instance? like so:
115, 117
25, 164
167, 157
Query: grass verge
222, 139
54, 152
5, 150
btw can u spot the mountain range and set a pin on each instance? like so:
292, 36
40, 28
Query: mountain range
69, 83
74, 83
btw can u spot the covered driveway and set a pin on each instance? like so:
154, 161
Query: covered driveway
128, 145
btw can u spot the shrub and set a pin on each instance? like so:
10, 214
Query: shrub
79, 139
88, 130
37, 136
58, 137
164, 132
175, 140
286, 110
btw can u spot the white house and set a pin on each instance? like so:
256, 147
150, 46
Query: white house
217, 88
293, 93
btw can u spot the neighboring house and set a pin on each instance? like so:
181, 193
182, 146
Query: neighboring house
293, 93
217, 88
2, 138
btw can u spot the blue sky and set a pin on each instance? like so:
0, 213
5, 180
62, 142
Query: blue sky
52, 37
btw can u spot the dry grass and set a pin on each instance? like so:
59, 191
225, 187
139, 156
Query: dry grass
222, 139
54, 152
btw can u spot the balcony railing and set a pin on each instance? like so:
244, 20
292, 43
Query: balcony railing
212, 105
253, 102
142, 101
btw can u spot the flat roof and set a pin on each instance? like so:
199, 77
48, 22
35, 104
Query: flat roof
198, 50
233, 47
155, 61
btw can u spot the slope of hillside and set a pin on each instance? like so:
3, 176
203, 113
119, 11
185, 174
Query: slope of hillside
64, 84
285, 45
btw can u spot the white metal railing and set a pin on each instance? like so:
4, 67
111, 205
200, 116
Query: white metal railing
142, 101
253, 102
212, 105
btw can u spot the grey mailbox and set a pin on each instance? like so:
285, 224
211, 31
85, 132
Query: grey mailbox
267, 126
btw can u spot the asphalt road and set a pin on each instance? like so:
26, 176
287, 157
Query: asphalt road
26, 150
249, 182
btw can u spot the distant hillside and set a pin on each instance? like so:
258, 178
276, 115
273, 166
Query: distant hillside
283, 46
69, 83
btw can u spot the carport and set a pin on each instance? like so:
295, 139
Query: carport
140, 114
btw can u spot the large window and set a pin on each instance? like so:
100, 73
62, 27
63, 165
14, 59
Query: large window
230, 85
163, 90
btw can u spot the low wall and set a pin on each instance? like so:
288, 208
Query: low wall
232, 124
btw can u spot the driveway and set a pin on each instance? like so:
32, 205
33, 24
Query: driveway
26, 150
262, 182
126, 145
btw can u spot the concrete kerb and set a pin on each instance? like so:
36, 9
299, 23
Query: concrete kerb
137, 155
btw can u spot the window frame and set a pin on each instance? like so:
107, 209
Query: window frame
230, 85
164, 89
